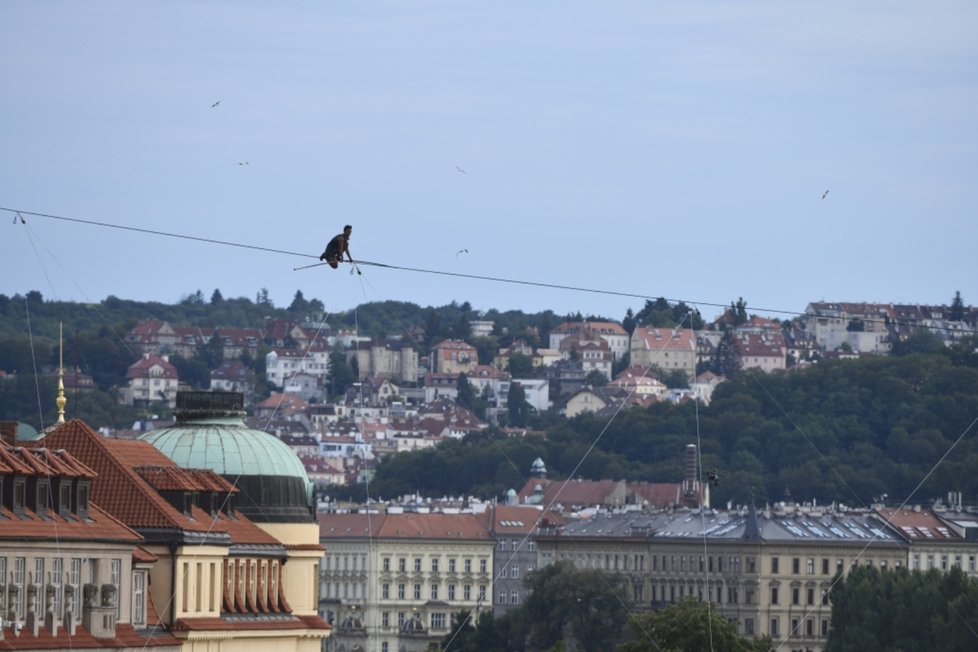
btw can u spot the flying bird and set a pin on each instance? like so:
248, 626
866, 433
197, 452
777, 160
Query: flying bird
825, 194
461, 251
460, 170
243, 163
215, 104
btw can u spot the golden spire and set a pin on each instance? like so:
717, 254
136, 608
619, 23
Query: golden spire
61, 401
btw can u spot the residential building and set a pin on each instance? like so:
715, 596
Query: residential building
669, 349
453, 357
391, 581
513, 529
282, 364
219, 580
611, 332
150, 379
394, 359
761, 349
71, 575
768, 573
591, 350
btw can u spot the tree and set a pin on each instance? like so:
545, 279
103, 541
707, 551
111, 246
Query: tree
856, 325
212, 352
194, 299
299, 304
920, 341
629, 323
193, 371
957, 308
901, 609
738, 311
584, 603
689, 624
521, 366
262, 298
517, 406
340, 374
595, 378
465, 391
217, 298
726, 360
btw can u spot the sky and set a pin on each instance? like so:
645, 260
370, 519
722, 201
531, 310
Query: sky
651, 149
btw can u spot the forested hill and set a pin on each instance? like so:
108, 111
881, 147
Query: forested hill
846, 431
21, 313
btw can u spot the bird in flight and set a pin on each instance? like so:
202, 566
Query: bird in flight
825, 194
243, 163
215, 104
460, 170
461, 251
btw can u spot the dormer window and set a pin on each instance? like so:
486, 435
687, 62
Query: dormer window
64, 498
20, 495
81, 500
42, 496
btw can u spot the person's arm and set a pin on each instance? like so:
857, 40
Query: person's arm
347, 248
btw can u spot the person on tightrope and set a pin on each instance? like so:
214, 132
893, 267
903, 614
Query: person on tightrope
337, 247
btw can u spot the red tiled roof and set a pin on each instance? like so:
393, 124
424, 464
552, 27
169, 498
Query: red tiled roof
254, 623
126, 636
919, 527
140, 368
126, 494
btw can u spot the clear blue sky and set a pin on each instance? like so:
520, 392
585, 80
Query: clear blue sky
676, 149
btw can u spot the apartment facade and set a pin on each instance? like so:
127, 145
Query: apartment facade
770, 573
391, 581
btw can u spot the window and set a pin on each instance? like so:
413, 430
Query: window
385, 591
42, 498
57, 573
811, 596
514, 571
795, 628
809, 627
74, 579
139, 597
483, 565
514, 597
750, 564
825, 566
482, 593
385, 619
402, 564
774, 595
468, 565
20, 495
438, 620
795, 566
825, 627
502, 596
387, 564
467, 592
434, 591
451, 591
38, 579
384, 647
400, 619
82, 500
400, 591
915, 562
749, 626
451, 565
434, 565
20, 570
417, 591
795, 597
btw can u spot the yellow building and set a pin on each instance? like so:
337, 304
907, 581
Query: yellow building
235, 548
770, 573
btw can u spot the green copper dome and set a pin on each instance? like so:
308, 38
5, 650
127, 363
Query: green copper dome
210, 434
226, 446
